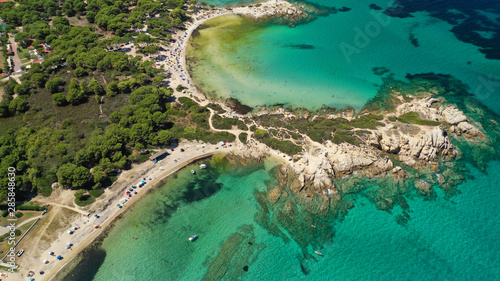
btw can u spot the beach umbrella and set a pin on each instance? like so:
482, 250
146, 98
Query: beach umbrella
68, 245
96, 215
75, 228
45, 261
96, 226
70, 231
59, 257
51, 253
42, 272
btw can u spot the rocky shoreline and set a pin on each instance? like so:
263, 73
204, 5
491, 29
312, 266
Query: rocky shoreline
387, 151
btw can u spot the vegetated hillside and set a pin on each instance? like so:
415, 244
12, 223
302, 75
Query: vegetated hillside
85, 113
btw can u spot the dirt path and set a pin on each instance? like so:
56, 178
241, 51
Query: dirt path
70, 208
235, 132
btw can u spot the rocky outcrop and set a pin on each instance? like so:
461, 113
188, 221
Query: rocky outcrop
459, 123
418, 146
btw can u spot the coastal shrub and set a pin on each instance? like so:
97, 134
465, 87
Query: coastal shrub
84, 200
193, 133
153, 49
227, 123
284, 146
414, 118
392, 118
363, 132
19, 215
368, 121
5, 213
186, 102
176, 112
96, 192
217, 108
201, 118
243, 137
345, 136
180, 88
30, 207
260, 134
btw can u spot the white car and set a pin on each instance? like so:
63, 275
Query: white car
20, 253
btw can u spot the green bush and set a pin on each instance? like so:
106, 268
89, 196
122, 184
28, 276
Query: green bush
243, 137
19, 215
368, 121
186, 102
217, 108
285, 146
227, 123
96, 192
5, 213
392, 118
180, 88
84, 200
414, 118
345, 136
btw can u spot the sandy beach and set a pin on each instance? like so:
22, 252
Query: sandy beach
107, 210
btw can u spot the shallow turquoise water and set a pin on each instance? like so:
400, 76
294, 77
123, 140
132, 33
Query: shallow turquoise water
446, 239
336, 69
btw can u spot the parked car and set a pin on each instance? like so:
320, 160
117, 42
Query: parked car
20, 253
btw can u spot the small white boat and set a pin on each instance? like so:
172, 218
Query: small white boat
318, 252
203, 166
193, 237
193, 172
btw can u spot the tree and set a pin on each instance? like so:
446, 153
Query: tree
158, 79
79, 72
59, 99
53, 85
95, 87
22, 89
75, 96
112, 89
79, 194
60, 23
18, 105
38, 79
90, 16
165, 136
72, 175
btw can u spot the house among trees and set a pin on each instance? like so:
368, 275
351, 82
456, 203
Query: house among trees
9, 49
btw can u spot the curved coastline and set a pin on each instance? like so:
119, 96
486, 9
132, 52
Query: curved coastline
110, 214
105, 225
268, 8
203, 100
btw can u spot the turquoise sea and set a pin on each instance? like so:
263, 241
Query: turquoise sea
446, 237
330, 60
